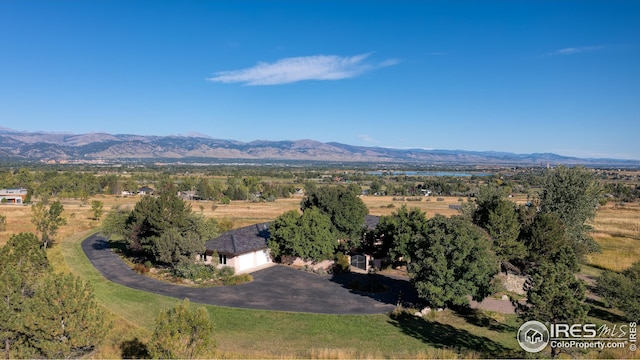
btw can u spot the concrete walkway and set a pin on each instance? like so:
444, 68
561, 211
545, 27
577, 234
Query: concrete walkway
275, 288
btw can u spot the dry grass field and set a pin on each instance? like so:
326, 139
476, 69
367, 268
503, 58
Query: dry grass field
617, 230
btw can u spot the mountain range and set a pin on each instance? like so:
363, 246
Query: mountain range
90, 147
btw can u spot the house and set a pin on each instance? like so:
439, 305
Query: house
189, 195
145, 190
245, 249
13, 196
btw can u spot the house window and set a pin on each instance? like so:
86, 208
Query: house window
223, 259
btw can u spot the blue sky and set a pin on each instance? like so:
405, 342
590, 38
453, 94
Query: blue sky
517, 76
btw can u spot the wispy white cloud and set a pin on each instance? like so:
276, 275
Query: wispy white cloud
366, 138
290, 70
575, 50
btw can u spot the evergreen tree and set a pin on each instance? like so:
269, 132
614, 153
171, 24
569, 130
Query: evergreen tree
23, 262
165, 229
62, 319
504, 228
182, 333
43, 315
554, 295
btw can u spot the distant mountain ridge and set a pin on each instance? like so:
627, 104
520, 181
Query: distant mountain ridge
44, 146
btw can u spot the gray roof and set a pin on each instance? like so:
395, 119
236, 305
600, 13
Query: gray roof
241, 241
371, 221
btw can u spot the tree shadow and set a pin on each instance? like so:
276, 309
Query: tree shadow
598, 310
448, 337
379, 287
480, 318
134, 349
101, 244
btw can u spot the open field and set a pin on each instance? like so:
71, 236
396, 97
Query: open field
617, 230
264, 334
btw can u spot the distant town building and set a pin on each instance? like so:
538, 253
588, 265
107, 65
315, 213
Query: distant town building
13, 196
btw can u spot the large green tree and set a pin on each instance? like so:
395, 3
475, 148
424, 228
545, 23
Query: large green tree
345, 209
309, 236
398, 230
183, 333
499, 216
47, 219
452, 259
621, 290
547, 241
62, 319
24, 261
165, 229
44, 315
504, 227
573, 194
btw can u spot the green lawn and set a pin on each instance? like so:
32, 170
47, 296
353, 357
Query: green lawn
255, 333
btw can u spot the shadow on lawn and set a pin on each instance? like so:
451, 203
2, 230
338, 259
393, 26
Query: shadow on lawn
379, 287
598, 310
481, 319
445, 336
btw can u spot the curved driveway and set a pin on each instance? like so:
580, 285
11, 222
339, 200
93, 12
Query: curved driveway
274, 288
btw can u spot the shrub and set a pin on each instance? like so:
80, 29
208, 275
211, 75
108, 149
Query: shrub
237, 279
226, 272
342, 264
194, 271
440, 199
140, 269
148, 264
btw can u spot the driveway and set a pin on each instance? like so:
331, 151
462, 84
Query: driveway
275, 288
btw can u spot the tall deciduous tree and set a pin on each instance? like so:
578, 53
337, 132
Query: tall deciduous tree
97, 209
344, 207
452, 259
47, 220
308, 236
573, 194
398, 230
183, 333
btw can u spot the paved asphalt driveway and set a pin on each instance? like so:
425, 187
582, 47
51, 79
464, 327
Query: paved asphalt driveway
274, 288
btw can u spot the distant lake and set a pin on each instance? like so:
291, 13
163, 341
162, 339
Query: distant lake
428, 173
